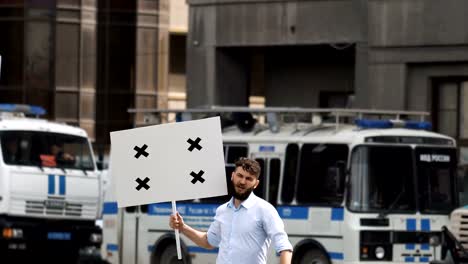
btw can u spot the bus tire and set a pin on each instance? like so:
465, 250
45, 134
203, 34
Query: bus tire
314, 256
169, 255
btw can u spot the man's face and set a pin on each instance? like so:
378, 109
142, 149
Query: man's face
54, 150
244, 183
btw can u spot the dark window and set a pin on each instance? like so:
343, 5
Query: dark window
144, 208
382, 179
260, 190
235, 152
436, 179
130, 209
290, 170
319, 181
450, 107
335, 99
409, 140
275, 168
45, 149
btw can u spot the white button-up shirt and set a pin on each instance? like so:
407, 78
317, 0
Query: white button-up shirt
244, 234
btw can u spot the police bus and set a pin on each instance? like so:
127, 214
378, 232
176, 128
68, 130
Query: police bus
350, 186
50, 189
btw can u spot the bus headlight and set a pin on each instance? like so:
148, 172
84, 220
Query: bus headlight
379, 252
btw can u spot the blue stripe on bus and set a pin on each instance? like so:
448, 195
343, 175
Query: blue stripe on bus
337, 214
51, 189
336, 255
208, 210
424, 246
409, 259
62, 185
425, 225
110, 208
293, 212
424, 259
193, 249
112, 247
410, 224
267, 149
59, 236
410, 246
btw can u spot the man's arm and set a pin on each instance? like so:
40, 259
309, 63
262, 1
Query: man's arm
198, 237
274, 227
285, 257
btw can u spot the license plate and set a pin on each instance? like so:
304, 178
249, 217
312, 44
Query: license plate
54, 204
59, 236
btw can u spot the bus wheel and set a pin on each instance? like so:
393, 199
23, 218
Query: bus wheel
169, 255
314, 256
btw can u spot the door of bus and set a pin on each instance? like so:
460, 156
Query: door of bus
270, 164
132, 232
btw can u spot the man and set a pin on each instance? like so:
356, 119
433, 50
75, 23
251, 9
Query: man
61, 156
244, 227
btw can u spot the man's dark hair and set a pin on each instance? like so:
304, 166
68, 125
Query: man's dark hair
249, 165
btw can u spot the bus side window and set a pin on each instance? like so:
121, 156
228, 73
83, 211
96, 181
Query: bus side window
144, 208
275, 168
289, 175
260, 190
235, 152
130, 209
320, 179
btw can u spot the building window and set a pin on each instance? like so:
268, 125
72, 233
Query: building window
450, 109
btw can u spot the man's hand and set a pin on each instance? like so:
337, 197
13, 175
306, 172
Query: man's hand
177, 222
198, 237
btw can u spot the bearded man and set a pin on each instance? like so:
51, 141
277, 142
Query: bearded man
244, 227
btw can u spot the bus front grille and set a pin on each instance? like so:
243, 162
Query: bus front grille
459, 226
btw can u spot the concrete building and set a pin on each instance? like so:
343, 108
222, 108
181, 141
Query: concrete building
86, 61
388, 54
178, 28
48, 58
132, 62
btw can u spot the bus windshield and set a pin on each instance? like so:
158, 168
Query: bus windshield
436, 168
45, 149
382, 178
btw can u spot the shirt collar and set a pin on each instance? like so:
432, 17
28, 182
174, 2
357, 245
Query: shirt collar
247, 203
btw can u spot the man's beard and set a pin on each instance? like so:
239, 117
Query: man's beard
241, 196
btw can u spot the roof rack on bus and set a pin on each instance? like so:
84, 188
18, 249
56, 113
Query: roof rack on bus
274, 115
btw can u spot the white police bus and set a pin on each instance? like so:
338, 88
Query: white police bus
376, 190
50, 190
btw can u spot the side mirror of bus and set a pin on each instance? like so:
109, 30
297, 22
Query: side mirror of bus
461, 172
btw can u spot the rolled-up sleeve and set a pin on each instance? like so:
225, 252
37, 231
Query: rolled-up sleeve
274, 227
214, 232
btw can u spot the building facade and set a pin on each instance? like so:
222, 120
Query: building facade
48, 58
385, 54
85, 61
